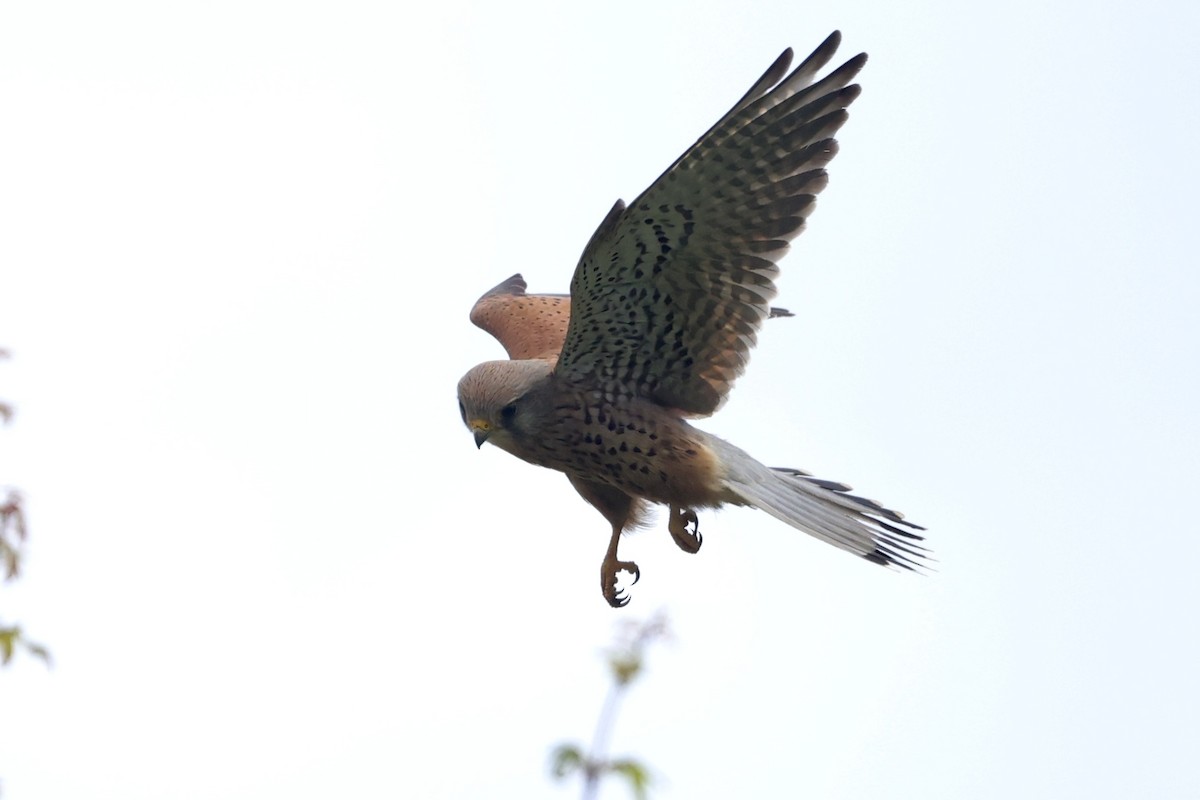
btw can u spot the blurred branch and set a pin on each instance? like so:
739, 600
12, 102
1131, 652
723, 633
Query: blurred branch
625, 662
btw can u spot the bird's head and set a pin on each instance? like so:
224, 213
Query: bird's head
495, 399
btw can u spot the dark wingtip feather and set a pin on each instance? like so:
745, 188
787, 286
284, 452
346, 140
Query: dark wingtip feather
825, 50
772, 76
514, 284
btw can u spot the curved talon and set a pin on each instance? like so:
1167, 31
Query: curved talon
688, 541
608, 580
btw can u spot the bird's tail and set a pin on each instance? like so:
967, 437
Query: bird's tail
821, 508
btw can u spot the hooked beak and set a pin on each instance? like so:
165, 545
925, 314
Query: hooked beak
481, 429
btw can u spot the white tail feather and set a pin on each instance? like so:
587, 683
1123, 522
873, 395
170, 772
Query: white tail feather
820, 508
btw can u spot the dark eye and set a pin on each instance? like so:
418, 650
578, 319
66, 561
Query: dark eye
462, 411
508, 412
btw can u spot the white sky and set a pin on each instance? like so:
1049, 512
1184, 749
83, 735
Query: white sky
238, 244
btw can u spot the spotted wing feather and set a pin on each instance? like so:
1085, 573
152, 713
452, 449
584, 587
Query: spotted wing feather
670, 292
531, 325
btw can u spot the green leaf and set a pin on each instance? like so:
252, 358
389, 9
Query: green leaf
637, 775
8, 641
625, 667
12, 638
565, 759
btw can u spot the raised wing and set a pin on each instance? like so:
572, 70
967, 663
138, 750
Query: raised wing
531, 325
670, 292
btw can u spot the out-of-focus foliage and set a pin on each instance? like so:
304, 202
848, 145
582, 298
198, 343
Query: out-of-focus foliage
12, 536
6, 411
625, 661
565, 760
627, 656
11, 639
635, 773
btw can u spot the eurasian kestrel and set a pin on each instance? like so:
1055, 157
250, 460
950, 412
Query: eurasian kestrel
665, 304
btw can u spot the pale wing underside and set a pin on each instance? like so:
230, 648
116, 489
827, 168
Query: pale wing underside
528, 325
670, 292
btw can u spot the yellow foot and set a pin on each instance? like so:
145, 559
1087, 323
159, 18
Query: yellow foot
608, 579
688, 541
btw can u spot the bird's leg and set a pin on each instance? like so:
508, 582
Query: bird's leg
688, 541
609, 569
621, 510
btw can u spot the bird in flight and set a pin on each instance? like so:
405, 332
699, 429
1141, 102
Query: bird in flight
665, 304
